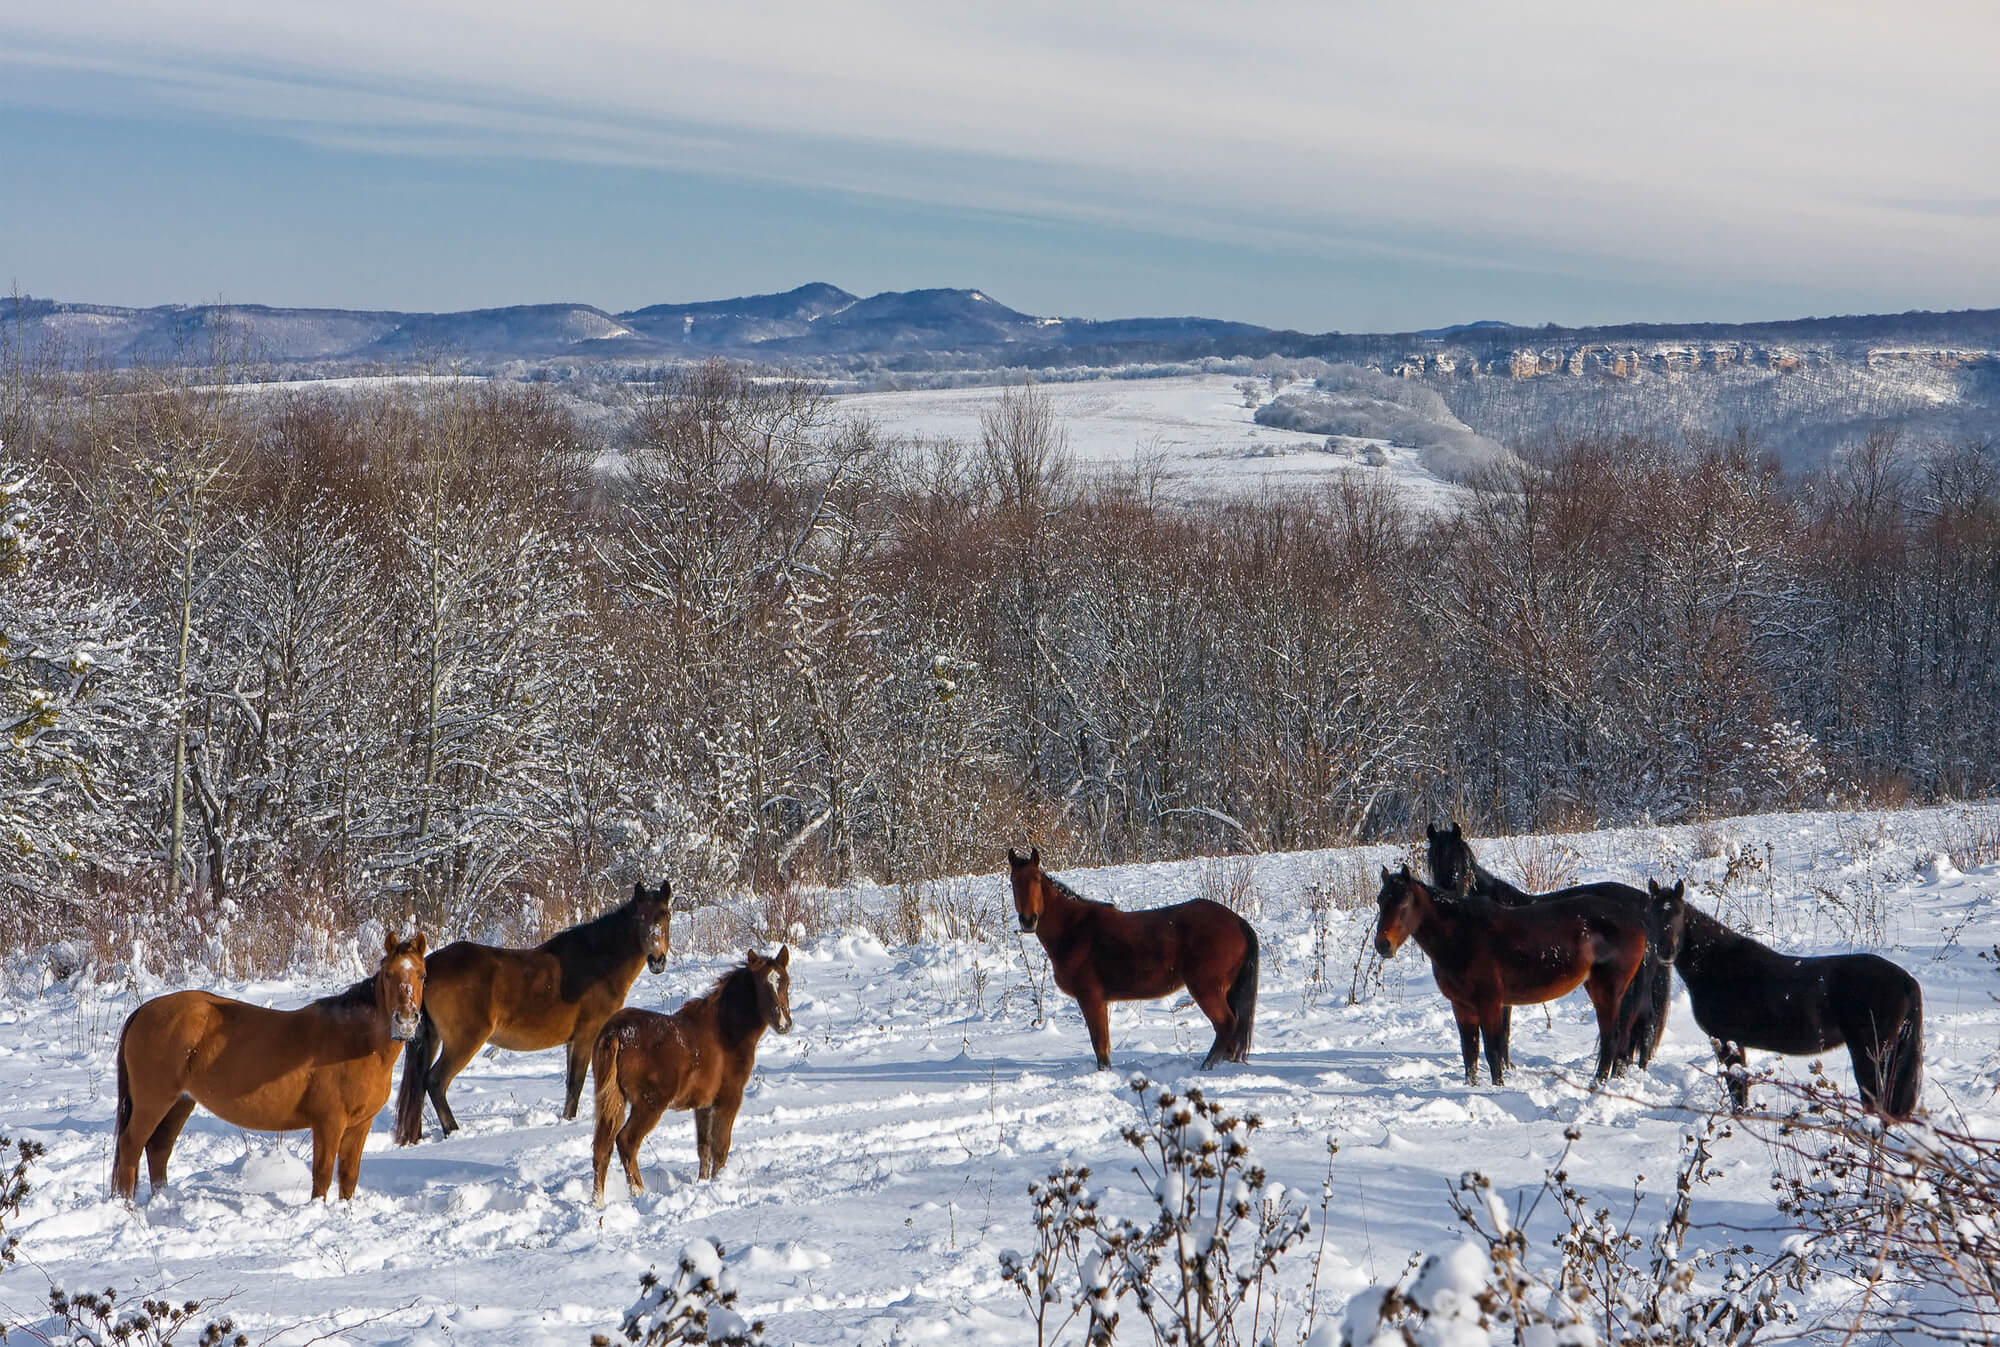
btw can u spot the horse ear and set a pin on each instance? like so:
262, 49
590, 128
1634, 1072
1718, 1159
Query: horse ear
1014, 858
1457, 831
1430, 833
1653, 887
389, 943
1386, 875
1680, 888
1034, 855
417, 944
638, 890
784, 956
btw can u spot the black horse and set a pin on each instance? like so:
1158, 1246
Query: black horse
1642, 1015
1747, 995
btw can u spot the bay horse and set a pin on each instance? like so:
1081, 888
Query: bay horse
1747, 995
697, 1058
1100, 954
1486, 957
1456, 871
558, 994
325, 1067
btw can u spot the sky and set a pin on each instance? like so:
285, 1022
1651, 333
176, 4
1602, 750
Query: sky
1320, 166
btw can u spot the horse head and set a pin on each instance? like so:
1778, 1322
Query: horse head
1396, 910
1666, 918
399, 985
1026, 872
653, 910
773, 978
1450, 858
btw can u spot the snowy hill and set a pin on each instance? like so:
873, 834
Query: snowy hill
882, 1157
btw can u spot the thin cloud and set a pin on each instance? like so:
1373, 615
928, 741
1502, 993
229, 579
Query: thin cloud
1771, 141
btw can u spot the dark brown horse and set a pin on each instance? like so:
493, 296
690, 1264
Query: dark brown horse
1746, 995
558, 994
1457, 872
697, 1058
325, 1067
1486, 957
1100, 954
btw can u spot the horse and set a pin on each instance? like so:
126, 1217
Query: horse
1486, 957
1745, 994
558, 994
696, 1058
324, 1067
1455, 870
1100, 954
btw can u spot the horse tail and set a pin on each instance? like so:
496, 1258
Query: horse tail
418, 1054
1243, 994
1906, 1060
124, 1083
607, 1095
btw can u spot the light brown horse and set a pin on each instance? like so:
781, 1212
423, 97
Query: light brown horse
1486, 957
325, 1067
1100, 954
697, 1058
556, 995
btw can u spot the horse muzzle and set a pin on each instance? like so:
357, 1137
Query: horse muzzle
403, 1025
1027, 926
656, 963
784, 1026
1384, 948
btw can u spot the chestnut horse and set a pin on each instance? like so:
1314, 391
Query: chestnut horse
1746, 995
1100, 954
558, 994
1486, 957
697, 1058
1456, 871
325, 1067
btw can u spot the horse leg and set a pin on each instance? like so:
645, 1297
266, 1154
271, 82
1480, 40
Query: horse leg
704, 1119
645, 1113
349, 1156
449, 1063
1506, 1037
1468, 1039
326, 1147
133, 1137
1735, 1065
579, 1066
1495, 1025
1214, 1003
1097, 1019
1605, 988
721, 1124
161, 1144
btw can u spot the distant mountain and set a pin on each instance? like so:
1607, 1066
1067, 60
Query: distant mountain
1803, 386
812, 322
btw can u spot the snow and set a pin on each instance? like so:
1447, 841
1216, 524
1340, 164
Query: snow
882, 1157
1193, 430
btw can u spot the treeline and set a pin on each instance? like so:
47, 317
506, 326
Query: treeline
304, 656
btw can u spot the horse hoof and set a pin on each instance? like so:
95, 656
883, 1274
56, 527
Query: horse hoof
597, 1199
638, 1190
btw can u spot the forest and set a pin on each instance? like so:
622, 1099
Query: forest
277, 659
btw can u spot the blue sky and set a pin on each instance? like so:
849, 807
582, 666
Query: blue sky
1332, 166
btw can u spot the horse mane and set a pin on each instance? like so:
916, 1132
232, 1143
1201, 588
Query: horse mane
361, 996
734, 1013
1071, 894
601, 940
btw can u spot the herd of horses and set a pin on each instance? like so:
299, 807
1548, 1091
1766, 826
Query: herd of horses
327, 1067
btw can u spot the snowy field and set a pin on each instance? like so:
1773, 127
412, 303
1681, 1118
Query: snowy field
1191, 435
882, 1156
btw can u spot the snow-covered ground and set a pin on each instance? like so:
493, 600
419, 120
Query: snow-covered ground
882, 1156
1190, 435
